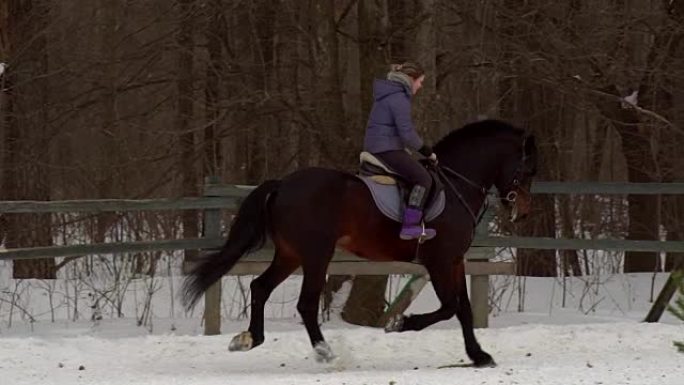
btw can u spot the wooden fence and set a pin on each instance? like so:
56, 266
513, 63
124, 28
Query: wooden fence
219, 197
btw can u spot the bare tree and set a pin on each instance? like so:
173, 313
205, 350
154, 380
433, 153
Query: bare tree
366, 301
25, 127
187, 161
216, 35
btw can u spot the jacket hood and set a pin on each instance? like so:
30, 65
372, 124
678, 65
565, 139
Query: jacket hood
383, 88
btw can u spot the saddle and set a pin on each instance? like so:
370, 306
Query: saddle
390, 190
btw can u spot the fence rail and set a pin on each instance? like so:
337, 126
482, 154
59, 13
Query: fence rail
226, 197
539, 243
219, 197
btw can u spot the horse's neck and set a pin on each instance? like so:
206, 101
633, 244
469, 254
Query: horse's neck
480, 172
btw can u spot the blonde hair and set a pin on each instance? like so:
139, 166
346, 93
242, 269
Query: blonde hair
414, 70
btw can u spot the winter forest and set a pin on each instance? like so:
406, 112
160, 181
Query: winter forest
106, 99
111, 99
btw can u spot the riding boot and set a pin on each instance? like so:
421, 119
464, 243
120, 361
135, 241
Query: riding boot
412, 227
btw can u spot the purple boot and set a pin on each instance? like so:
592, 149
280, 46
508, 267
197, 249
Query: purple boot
412, 227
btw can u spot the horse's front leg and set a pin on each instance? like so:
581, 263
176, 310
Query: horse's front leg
450, 286
465, 316
445, 287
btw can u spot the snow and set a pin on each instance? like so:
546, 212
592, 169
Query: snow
615, 353
590, 335
631, 99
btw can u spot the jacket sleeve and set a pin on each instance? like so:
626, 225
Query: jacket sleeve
401, 110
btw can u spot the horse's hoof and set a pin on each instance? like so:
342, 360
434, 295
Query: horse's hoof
395, 324
323, 352
241, 342
484, 360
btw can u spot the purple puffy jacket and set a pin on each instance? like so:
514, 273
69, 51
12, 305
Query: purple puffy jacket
390, 126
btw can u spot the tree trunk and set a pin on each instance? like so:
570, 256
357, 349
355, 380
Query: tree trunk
216, 29
570, 261
424, 51
339, 132
366, 301
184, 118
643, 209
671, 145
335, 137
26, 141
106, 131
637, 130
521, 100
538, 263
675, 259
373, 20
542, 222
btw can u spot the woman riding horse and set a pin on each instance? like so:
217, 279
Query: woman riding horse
390, 131
313, 211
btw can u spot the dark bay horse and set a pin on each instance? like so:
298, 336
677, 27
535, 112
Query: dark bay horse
312, 211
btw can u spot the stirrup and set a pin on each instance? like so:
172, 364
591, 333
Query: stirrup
423, 235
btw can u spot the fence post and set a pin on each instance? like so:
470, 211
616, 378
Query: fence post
404, 299
212, 297
665, 295
479, 284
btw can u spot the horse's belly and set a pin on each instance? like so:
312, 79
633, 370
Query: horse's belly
376, 250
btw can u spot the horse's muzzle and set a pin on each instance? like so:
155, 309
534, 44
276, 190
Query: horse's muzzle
516, 215
520, 205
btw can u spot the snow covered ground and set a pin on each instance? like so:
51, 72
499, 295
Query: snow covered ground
590, 335
607, 353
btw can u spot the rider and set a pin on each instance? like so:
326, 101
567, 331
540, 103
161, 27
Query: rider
390, 131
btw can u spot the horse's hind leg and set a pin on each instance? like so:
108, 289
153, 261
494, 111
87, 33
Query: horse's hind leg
315, 259
260, 289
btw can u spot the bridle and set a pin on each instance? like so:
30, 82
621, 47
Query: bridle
515, 184
481, 190
510, 196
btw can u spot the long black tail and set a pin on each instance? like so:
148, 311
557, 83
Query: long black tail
248, 233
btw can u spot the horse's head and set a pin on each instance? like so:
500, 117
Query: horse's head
493, 152
515, 179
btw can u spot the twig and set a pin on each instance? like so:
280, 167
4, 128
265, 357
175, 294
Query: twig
641, 110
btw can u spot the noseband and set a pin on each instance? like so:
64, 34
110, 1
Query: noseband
510, 197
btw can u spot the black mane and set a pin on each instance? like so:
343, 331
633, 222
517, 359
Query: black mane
483, 128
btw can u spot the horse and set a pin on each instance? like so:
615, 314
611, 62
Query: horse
312, 211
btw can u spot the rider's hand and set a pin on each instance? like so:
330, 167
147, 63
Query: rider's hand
433, 159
